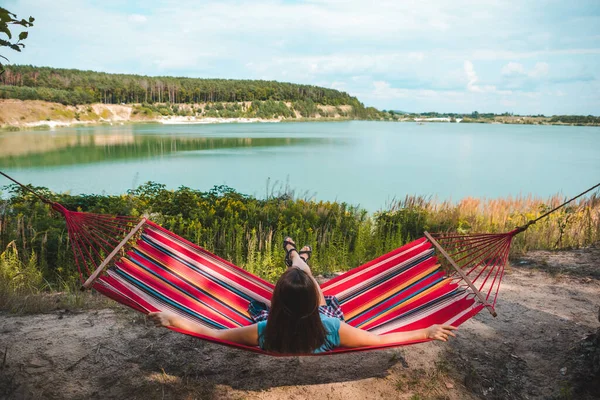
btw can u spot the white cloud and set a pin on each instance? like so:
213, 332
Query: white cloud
508, 103
471, 76
354, 18
493, 55
360, 78
137, 18
513, 68
472, 80
340, 64
540, 69
338, 85
384, 91
417, 56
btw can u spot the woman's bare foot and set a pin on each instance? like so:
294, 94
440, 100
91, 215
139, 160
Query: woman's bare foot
305, 253
290, 247
290, 250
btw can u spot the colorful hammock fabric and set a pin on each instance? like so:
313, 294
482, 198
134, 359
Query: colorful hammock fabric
408, 288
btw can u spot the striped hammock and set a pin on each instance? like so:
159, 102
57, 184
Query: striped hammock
148, 268
406, 289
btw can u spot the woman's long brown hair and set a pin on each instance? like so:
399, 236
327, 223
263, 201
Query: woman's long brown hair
294, 324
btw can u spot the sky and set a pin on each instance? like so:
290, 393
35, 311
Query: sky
525, 57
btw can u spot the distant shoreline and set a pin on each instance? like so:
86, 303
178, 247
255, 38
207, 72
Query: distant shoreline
53, 124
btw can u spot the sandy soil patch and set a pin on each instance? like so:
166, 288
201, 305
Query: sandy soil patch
581, 262
113, 112
114, 353
35, 113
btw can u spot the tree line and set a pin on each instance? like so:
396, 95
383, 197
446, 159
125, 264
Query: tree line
72, 87
576, 119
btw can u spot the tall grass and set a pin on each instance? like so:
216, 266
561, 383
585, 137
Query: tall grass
249, 231
18, 278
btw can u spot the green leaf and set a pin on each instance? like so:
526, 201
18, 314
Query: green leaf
4, 28
23, 35
5, 15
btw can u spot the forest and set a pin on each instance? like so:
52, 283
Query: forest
74, 87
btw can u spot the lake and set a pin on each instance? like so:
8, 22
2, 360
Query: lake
358, 162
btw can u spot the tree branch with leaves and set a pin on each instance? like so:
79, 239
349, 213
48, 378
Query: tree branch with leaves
6, 19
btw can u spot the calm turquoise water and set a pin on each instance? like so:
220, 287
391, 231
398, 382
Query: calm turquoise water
362, 163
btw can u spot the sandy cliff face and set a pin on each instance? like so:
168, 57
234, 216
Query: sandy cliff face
32, 113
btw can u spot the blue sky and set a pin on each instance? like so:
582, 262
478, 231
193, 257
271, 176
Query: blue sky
525, 57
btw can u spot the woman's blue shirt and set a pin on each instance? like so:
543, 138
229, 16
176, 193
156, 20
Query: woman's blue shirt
332, 339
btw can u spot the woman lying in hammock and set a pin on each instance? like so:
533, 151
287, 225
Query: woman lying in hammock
301, 319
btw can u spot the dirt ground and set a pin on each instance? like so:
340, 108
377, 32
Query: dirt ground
547, 309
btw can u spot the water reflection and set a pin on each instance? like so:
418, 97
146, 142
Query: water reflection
366, 163
44, 149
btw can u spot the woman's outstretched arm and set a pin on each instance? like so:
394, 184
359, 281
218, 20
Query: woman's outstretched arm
246, 335
354, 337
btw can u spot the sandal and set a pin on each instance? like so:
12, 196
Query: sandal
307, 252
286, 242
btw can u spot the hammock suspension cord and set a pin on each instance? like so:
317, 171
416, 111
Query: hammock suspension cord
39, 196
533, 221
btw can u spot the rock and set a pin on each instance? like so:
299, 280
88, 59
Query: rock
563, 371
449, 385
36, 363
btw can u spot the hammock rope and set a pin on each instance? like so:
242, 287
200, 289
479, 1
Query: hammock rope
531, 222
148, 268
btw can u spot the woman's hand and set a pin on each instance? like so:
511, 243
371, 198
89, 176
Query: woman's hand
246, 335
161, 318
440, 332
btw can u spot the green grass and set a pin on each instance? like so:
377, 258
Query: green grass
62, 114
23, 289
